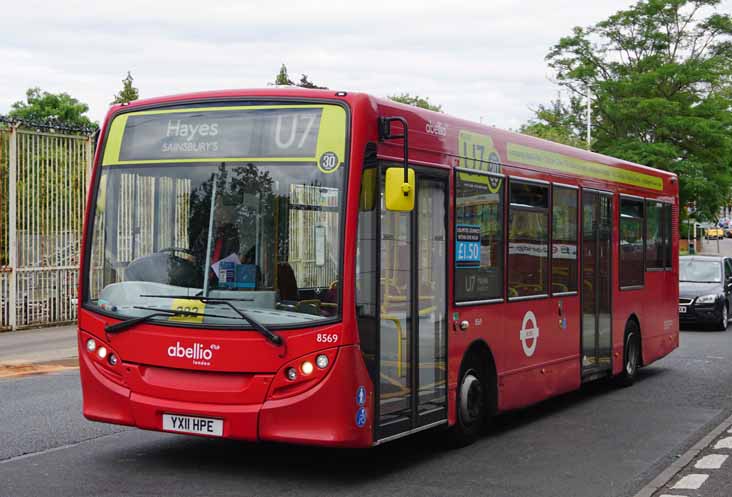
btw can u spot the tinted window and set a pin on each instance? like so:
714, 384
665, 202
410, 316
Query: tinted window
367, 256
478, 237
564, 239
528, 244
667, 232
655, 248
631, 242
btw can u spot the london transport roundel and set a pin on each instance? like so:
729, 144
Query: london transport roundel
529, 333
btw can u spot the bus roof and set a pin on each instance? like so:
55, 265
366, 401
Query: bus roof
437, 138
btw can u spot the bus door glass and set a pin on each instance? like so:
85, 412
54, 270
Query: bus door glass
596, 281
412, 315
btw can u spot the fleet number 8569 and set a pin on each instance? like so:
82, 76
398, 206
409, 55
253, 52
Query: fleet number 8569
326, 338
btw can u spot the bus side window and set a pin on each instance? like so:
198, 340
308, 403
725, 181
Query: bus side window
478, 237
631, 242
528, 239
655, 212
564, 239
667, 234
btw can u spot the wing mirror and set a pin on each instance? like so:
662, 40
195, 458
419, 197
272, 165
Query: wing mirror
399, 188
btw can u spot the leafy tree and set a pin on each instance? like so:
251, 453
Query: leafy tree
660, 74
417, 101
558, 122
52, 108
306, 83
282, 78
128, 93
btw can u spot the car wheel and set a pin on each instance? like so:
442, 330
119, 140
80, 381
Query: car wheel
472, 405
725, 318
631, 355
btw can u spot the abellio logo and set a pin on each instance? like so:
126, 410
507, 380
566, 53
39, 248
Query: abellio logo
198, 352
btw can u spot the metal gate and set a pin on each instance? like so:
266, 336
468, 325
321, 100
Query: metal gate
43, 183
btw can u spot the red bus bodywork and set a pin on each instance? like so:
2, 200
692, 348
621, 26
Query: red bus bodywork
245, 384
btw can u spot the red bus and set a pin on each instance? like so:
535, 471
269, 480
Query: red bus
331, 268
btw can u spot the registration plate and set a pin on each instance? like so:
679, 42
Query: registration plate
192, 424
682, 309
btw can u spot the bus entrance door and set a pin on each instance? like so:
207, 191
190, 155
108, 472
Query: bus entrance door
412, 347
596, 283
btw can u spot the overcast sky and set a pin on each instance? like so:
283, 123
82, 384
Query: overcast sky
478, 59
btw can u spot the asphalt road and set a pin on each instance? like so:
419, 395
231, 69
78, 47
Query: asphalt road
600, 441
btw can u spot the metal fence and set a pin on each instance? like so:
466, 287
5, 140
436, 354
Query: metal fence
43, 182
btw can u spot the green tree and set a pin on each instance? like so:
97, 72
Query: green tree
128, 93
558, 122
417, 101
659, 73
53, 108
282, 78
306, 83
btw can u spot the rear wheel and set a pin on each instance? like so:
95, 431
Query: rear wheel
631, 355
472, 404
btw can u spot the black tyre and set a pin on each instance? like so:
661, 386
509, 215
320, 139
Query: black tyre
724, 318
472, 404
631, 355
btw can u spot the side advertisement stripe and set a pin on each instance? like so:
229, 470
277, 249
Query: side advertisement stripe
564, 163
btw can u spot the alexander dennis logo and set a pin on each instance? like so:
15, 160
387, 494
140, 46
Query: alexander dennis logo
200, 355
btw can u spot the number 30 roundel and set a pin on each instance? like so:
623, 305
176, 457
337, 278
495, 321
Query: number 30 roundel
328, 162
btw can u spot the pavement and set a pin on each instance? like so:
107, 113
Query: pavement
703, 471
41, 350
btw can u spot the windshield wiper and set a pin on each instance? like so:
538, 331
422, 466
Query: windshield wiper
262, 329
129, 323
198, 297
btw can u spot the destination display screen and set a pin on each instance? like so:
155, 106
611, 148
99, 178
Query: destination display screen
256, 133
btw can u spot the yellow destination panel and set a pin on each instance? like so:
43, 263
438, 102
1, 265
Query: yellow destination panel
261, 133
559, 162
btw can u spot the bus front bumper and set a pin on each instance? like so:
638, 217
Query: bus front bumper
325, 414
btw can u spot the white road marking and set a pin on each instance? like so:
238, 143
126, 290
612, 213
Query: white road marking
669, 495
712, 461
725, 443
691, 482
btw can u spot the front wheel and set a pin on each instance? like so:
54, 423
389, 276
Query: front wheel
722, 325
631, 355
472, 406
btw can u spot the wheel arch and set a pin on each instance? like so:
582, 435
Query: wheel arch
480, 350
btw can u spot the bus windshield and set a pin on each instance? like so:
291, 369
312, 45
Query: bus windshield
262, 235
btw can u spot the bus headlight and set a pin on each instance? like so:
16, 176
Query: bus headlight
291, 374
102, 352
112, 359
306, 367
91, 345
322, 361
